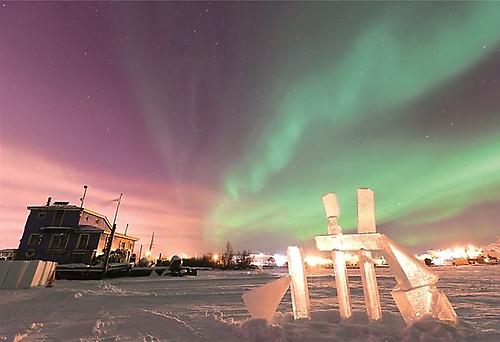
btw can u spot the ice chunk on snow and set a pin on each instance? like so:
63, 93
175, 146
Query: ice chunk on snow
47, 269
300, 292
441, 307
263, 301
32, 274
416, 303
4, 269
15, 273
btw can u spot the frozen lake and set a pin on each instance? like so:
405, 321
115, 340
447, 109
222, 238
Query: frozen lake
209, 307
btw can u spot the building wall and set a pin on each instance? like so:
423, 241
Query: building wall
93, 220
53, 217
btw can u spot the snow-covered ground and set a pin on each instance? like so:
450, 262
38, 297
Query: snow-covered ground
209, 308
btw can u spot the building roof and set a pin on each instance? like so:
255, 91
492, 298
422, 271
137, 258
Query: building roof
89, 228
128, 237
57, 206
88, 211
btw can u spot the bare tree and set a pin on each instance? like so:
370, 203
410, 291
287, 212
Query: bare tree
227, 256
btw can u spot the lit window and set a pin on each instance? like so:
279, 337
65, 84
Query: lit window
35, 239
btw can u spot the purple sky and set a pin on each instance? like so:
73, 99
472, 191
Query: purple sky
208, 117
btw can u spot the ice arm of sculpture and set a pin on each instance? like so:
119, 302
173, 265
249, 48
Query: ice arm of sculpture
332, 211
298, 285
349, 242
408, 270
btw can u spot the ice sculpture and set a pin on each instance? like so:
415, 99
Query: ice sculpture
299, 289
416, 294
332, 212
263, 301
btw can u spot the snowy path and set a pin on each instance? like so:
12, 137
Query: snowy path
209, 308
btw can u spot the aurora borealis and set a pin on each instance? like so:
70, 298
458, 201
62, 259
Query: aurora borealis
229, 121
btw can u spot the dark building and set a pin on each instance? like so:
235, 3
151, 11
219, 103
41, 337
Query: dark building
68, 234
7, 254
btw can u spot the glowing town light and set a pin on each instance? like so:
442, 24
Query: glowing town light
314, 260
449, 255
215, 257
298, 285
280, 259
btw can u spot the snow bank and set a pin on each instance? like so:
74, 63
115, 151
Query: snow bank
210, 308
326, 326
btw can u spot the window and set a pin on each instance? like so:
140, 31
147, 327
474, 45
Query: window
96, 220
122, 244
58, 218
41, 215
58, 241
87, 218
83, 241
35, 239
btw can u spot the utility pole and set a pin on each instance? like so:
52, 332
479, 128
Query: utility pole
111, 237
108, 249
151, 244
117, 207
82, 199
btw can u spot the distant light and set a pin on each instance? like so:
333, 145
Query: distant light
446, 256
314, 260
280, 259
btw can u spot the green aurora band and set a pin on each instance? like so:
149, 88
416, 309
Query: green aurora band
330, 132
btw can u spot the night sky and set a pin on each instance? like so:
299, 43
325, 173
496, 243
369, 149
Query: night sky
229, 121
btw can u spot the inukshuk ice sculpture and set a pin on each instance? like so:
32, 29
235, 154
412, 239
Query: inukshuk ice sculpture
416, 294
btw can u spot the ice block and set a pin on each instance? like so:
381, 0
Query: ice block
298, 286
370, 286
366, 211
263, 301
332, 211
